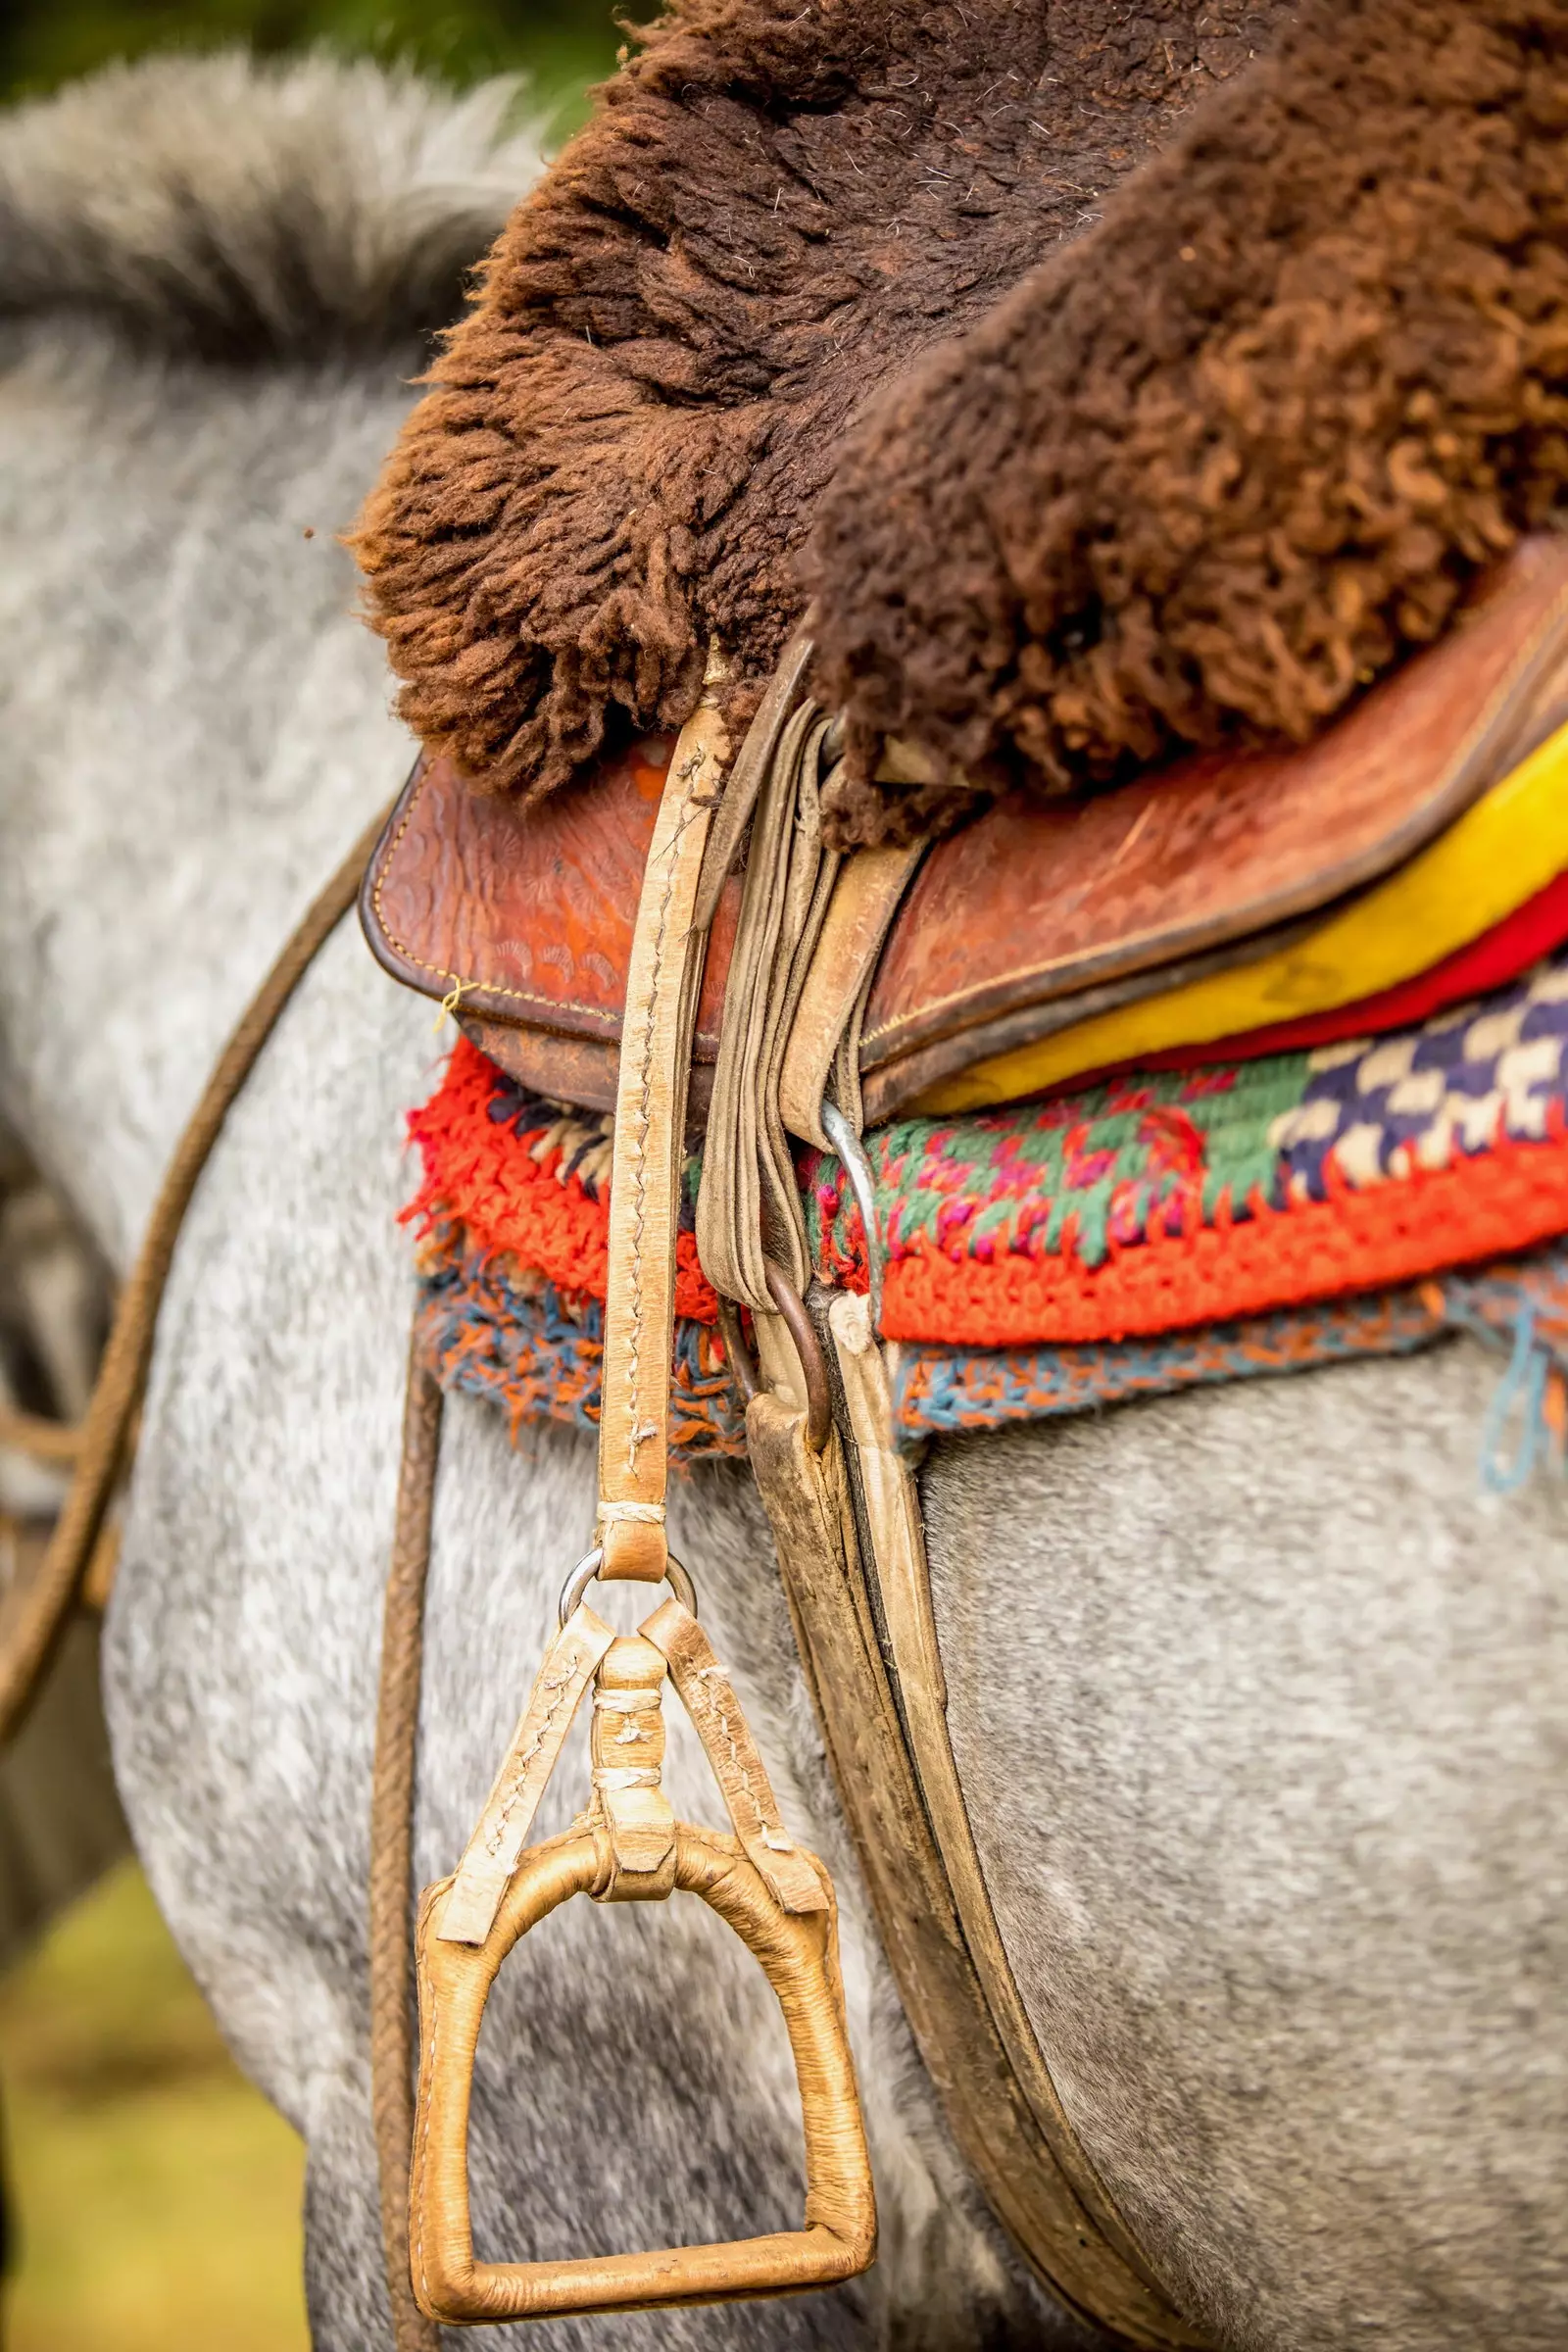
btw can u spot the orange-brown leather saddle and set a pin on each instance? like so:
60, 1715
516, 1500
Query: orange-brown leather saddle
1032, 919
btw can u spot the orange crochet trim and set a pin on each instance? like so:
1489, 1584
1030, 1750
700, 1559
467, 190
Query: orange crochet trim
1178, 1276
1500, 1202
476, 1176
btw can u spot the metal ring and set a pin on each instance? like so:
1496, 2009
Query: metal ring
582, 1576
808, 1347
738, 1356
851, 1151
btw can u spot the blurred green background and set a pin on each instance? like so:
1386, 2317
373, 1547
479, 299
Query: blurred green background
561, 44
153, 2194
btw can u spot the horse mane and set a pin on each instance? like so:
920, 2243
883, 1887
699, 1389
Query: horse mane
239, 211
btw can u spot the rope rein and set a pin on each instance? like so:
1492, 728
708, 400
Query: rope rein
35, 1609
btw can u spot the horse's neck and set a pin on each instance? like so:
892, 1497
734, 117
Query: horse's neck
196, 731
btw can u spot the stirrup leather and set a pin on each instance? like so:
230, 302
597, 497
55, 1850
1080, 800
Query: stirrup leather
628, 1847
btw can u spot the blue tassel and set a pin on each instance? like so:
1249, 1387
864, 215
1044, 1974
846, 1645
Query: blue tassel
1522, 1390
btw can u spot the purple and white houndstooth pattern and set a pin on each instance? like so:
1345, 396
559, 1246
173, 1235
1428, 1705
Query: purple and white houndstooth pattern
1465, 1080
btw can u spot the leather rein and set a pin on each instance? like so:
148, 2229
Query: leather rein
843, 1508
35, 1607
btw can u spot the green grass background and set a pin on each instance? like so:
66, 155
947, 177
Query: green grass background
561, 44
154, 2195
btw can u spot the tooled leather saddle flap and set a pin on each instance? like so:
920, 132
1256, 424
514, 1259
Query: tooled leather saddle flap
522, 919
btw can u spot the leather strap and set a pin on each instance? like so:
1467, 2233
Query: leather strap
1083, 2257
832, 999
650, 1128
894, 1554
747, 776
56, 1445
633, 1819
710, 1701
807, 944
491, 1857
391, 1887
749, 1208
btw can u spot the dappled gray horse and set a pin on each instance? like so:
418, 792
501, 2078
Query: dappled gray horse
60, 1819
1258, 1701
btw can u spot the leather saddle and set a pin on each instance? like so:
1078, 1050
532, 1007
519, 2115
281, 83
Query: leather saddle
1210, 896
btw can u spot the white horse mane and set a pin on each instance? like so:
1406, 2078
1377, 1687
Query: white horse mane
244, 211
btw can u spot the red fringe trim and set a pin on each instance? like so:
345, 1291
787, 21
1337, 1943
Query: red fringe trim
478, 1175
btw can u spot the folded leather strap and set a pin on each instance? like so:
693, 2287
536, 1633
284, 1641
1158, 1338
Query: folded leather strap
747, 778
1021, 2150
824, 1044
749, 1208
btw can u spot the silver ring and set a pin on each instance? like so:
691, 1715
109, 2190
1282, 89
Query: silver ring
862, 1184
582, 1576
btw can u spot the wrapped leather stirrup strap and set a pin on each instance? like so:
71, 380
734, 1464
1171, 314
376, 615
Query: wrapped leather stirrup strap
627, 1846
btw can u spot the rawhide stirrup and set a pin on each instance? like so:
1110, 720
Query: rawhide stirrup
628, 1847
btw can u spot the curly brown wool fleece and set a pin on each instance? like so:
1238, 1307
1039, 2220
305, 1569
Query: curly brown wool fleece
1208, 471
778, 203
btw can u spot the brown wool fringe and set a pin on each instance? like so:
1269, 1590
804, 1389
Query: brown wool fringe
778, 205
1210, 469
391, 1889
35, 1608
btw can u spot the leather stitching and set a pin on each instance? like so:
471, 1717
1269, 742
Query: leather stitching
1548, 625
461, 984
636, 1435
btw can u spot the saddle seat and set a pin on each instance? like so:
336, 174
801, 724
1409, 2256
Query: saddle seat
1232, 902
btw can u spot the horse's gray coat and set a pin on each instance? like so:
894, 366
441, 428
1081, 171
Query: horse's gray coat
1259, 1706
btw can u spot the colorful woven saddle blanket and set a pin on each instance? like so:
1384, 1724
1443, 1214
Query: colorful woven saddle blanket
1152, 1231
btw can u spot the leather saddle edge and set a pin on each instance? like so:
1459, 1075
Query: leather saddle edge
559, 1022
895, 1086
1525, 709
394, 965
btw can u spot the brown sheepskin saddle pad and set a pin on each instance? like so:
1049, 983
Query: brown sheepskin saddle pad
1107, 382
1136, 409
519, 914
778, 207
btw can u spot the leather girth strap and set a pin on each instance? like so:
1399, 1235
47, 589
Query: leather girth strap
845, 1517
